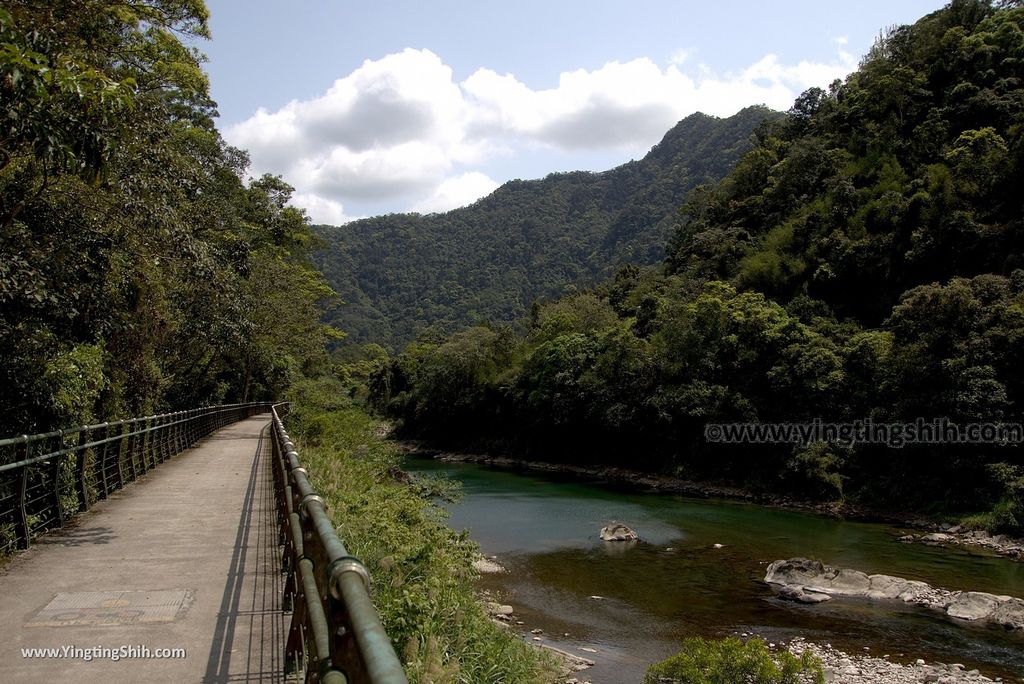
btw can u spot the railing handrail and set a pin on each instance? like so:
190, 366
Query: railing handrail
348, 641
327, 589
46, 480
26, 439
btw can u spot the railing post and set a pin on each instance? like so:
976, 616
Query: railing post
55, 468
132, 445
58, 510
177, 444
122, 448
142, 427
165, 437
21, 519
148, 446
102, 458
295, 648
80, 471
154, 441
158, 442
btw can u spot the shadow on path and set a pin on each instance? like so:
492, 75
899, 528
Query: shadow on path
248, 641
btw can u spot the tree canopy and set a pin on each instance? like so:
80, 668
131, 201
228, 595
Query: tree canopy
139, 270
864, 261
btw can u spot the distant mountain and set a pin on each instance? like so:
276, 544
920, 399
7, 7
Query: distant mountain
403, 273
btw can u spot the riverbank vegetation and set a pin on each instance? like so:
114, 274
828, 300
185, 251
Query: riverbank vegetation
701, 661
421, 569
140, 270
864, 262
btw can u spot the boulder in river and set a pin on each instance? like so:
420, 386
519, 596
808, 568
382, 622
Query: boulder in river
487, 566
617, 532
800, 595
805, 580
886, 587
795, 571
972, 605
1009, 613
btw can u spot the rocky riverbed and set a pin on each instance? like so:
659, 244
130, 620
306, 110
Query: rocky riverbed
843, 668
504, 616
949, 535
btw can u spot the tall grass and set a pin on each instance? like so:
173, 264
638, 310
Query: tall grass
421, 569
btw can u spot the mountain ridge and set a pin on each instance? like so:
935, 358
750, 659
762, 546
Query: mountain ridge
402, 274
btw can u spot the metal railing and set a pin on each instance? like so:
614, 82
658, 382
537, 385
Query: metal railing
335, 635
46, 479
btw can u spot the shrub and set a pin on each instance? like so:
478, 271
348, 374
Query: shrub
733, 661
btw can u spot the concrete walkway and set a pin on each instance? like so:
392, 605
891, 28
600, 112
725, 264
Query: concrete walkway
185, 558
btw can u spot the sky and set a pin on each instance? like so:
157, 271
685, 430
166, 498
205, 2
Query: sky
369, 108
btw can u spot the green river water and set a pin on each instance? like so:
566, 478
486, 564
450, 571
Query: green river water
675, 583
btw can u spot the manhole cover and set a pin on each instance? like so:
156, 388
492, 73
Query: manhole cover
112, 608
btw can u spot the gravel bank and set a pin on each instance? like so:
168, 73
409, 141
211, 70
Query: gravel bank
843, 668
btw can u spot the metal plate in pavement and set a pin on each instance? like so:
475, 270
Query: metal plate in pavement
112, 608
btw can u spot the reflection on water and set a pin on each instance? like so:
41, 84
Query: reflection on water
675, 584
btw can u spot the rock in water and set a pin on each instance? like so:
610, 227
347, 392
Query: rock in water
617, 532
795, 571
800, 596
810, 581
973, 605
1010, 613
850, 582
487, 566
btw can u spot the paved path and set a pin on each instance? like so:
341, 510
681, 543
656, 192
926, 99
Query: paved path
184, 558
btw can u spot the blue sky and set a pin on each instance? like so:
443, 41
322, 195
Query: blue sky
375, 107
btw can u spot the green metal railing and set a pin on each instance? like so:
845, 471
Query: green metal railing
336, 635
46, 479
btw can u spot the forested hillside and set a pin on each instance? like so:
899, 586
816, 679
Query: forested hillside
403, 273
864, 261
139, 271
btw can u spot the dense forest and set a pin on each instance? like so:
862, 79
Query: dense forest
865, 260
404, 275
139, 270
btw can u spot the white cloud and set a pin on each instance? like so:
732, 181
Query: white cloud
457, 192
400, 131
321, 209
681, 56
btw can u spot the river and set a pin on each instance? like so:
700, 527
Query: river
544, 530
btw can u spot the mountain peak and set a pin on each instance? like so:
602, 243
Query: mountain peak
403, 273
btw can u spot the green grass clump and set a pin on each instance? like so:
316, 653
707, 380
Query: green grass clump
733, 661
978, 521
421, 569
